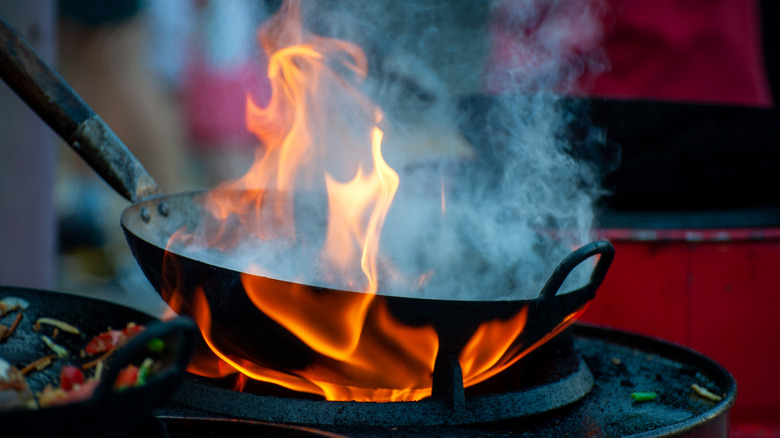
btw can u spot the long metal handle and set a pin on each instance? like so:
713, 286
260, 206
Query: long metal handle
53, 99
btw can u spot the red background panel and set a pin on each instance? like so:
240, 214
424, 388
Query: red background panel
645, 291
717, 292
735, 294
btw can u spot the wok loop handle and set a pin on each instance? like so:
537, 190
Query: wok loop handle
52, 98
137, 347
601, 247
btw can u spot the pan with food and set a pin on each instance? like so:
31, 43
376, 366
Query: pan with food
71, 365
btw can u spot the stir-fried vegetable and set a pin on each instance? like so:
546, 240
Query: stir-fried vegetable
103, 342
70, 376
127, 377
156, 345
74, 385
112, 338
38, 364
6, 332
643, 396
14, 392
58, 349
51, 396
62, 325
705, 393
9, 304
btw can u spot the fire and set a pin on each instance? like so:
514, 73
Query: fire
361, 350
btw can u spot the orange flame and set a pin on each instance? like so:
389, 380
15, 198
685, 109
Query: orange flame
362, 351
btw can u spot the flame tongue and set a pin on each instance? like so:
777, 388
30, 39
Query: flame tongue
349, 203
319, 133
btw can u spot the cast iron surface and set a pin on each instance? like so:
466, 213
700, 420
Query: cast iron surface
621, 363
216, 401
192, 427
108, 413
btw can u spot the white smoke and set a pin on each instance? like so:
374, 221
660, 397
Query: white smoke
515, 202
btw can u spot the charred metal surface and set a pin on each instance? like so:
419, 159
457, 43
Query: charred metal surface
621, 364
448, 381
202, 397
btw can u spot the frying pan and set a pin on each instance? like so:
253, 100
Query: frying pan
107, 412
237, 326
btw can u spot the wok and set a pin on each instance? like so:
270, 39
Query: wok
237, 326
107, 412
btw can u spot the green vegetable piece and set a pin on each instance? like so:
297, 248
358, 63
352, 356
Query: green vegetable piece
60, 350
143, 371
643, 396
156, 345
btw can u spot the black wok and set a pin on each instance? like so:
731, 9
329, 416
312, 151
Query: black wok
107, 412
238, 327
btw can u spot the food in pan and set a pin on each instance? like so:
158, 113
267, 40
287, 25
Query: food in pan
76, 382
14, 391
705, 393
6, 331
9, 304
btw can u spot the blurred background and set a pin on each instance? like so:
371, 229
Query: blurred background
170, 77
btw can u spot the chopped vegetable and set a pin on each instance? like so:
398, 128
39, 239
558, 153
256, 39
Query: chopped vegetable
99, 360
132, 329
156, 345
104, 342
6, 332
98, 371
127, 377
38, 364
643, 396
9, 304
705, 393
143, 371
51, 396
62, 325
70, 376
14, 391
112, 338
59, 349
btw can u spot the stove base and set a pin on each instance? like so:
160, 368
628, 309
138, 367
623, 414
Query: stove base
619, 363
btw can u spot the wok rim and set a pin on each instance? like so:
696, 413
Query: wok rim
131, 215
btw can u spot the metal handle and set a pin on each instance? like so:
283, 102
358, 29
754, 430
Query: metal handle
52, 98
601, 247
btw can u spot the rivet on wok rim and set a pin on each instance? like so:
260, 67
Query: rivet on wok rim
163, 209
145, 214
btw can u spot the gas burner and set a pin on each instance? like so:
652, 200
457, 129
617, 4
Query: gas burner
449, 404
585, 391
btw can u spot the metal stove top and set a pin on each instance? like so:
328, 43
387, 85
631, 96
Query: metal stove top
620, 364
